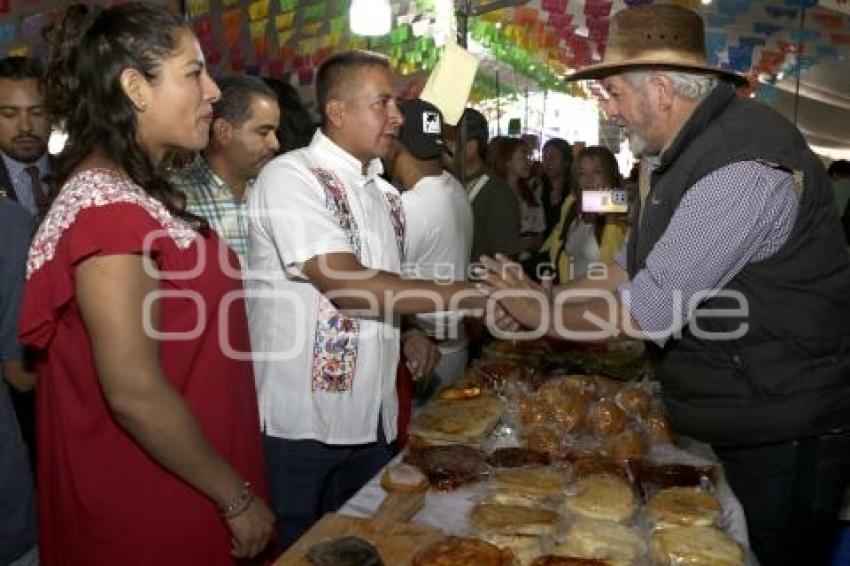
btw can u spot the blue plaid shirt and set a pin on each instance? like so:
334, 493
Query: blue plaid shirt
208, 196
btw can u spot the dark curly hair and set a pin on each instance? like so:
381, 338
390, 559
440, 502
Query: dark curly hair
89, 47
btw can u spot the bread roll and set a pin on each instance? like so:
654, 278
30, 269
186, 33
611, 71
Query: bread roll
605, 419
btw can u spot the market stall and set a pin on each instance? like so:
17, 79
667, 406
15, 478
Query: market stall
535, 459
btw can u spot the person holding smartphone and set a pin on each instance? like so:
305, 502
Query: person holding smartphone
588, 234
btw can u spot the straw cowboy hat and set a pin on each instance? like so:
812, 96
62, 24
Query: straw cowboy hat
654, 36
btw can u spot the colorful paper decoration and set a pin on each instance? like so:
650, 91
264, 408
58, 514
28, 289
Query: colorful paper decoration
258, 10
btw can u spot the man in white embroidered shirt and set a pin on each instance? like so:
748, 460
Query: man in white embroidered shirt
326, 234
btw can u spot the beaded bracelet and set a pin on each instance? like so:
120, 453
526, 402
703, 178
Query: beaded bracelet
240, 503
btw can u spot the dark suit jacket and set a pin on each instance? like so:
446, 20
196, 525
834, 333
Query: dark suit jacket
7, 188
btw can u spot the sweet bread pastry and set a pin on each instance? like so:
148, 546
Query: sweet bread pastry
628, 445
490, 518
451, 551
602, 497
537, 480
605, 419
634, 400
603, 540
694, 546
405, 478
684, 507
546, 440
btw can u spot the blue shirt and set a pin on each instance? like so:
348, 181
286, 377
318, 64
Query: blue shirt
17, 503
740, 214
22, 182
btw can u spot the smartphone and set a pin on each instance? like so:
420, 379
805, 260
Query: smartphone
605, 202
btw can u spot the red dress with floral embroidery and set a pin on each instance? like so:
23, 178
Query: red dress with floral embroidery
102, 499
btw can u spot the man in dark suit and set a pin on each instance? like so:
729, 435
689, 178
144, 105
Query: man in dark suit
24, 131
24, 174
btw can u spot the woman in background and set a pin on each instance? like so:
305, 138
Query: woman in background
556, 179
148, 433
580, 240
509, 160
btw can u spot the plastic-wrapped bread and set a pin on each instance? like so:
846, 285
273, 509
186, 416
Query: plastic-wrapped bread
695, 546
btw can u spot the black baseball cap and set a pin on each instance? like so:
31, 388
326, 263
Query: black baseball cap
422, 131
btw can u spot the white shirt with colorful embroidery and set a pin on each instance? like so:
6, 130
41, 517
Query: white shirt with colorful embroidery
320, 374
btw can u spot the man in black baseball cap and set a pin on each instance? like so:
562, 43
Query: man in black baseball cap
438, 230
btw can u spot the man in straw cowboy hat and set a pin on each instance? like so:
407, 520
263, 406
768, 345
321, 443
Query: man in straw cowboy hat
735, 274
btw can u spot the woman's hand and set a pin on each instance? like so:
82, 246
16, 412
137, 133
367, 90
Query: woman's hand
252, 529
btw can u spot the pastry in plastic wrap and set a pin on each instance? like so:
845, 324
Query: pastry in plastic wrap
405, 478
553, 391
545, 439
684, 507
505, 496
584, 385
515, 457
570, 413
494, 375
617, 544
602, 497
537, 480
534, 411
344, 551
449, 467
635, 400
653, 477
628, 445
605, 419
598, 466
657, 427
489, 518
452, 551
695, 546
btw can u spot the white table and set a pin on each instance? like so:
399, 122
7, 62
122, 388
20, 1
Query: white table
449, 512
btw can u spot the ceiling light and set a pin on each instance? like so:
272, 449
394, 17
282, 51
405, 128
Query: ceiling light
370, 17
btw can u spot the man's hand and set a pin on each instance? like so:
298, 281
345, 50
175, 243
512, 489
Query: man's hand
519, 300
422, 354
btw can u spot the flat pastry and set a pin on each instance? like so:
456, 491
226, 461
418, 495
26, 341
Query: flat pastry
490, 518
695, 546
603, 540
453, 551
461, 420
505, 496
602, 497
684, 507
536, 480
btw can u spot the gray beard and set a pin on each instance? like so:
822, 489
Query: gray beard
639, 145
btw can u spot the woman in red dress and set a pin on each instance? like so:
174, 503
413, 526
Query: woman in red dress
149, 440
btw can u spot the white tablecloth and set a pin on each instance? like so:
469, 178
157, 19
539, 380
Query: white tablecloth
449, 512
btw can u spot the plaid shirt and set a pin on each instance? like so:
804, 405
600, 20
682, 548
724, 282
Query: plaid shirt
209, 197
